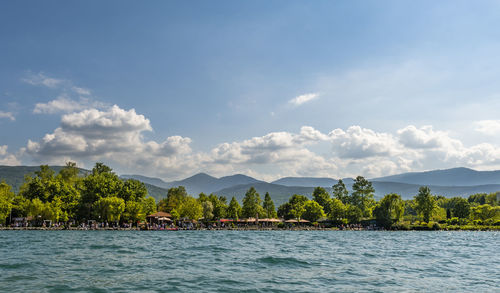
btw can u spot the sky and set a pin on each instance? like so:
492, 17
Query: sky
263, 88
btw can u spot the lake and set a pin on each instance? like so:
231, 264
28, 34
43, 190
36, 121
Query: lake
249, 261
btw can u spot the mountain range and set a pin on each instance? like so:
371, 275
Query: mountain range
448, 182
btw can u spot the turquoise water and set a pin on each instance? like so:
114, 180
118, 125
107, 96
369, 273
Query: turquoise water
249, 261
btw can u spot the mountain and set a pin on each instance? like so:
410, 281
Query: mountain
198, 183
148, 180
448, 177
310, 181
280, 193
305, 181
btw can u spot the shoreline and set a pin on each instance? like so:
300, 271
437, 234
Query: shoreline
235, 229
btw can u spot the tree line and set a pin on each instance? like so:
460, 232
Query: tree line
102, 196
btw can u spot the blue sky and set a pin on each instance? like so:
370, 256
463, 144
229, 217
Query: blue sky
264, 88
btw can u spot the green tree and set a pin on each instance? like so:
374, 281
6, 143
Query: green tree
174, 199
297, 205
322, 197
313, 211
149, 205
101, 183
362, 195
134, 211
425, 203
234, 209
353, 213
485, 212
251, 204
133, 190
268, 206
477, 199
459, 207
285, 211
219, 206
208, 209
340, 192
6, 201
389, 210
337, 209
190, 208
110, 208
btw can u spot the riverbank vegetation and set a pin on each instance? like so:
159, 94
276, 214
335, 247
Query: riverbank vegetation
101, 196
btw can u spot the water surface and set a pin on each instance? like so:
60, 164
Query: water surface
249, 261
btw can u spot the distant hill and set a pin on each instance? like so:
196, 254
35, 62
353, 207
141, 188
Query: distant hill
305, 181
451, 182
148, 180
310, 181
448, 177
198, 183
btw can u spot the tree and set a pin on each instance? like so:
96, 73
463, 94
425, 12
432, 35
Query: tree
313, 211
234, 209
251, 204
190, 208
69, 173
362, 195
485, 212
101, 183
337, 210
321, 197
134, 211
284, 211
389, 210
110, 208
149, 205
459, 207
297, 205
268, 206
6, 199
425, 203
353, 213
207, 210
219, 206
340, 192
477, 199
133, 190
175, 197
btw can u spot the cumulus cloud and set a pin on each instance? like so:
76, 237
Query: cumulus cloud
357, 142
6, 158
43, 80
299, 100
488, 127
7, 115
117, 135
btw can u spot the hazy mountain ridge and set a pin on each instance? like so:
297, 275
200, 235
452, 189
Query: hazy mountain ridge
447, 177
237, 185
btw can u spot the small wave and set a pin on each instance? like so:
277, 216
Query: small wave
282, 261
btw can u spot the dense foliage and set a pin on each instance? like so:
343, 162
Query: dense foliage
70, 196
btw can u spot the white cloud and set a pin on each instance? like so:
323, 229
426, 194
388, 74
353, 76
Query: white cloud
488, 127
7, 115
117, 135
81, 91
299, 100
63, 104
43, 80
6, 158
357, 142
